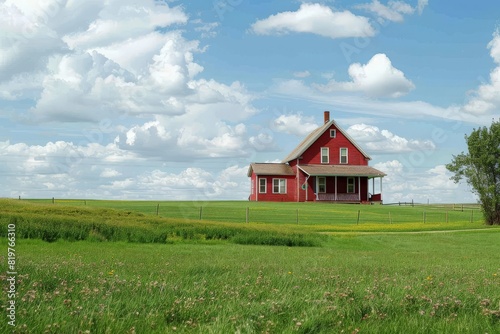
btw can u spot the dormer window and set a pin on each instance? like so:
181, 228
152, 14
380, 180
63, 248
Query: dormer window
325, 155
333, 133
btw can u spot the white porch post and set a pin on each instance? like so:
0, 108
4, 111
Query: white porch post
335, 187
373, 186
367, 188
359, 188
317, 188
381, 188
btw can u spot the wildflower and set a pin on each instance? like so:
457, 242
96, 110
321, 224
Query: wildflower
111, 273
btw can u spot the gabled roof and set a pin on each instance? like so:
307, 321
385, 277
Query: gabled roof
270, 169
341, 170
313, 136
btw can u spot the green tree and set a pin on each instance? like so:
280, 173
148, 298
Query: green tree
480, 167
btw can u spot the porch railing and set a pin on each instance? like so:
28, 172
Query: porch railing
340, 197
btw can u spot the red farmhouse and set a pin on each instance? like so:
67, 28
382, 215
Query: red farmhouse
326, 166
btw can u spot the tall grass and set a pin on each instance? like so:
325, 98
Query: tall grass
437, 283
51, 223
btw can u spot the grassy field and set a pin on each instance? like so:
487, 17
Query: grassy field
317, 216
125, 270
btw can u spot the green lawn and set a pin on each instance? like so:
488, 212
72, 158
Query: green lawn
116, 267
434, 283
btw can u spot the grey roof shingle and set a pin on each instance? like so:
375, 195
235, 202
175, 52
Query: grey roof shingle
341, 170
270, 169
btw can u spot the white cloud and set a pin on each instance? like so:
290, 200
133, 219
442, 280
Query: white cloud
354, 104
432, 184
188, 142
384, 141
486, 98
110, 172
302, 74
378, 78
316, 19
295, 124
196, 184
394, 10
421, 5
104, 65
134, 21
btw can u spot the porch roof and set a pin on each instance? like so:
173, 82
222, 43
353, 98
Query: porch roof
341, 170
270, 169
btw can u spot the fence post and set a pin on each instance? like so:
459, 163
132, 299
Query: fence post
247, 214
446, 215
472, 215
297, 216
357, 222
201, 210
424, 217
390, 219
157, 208
53, 200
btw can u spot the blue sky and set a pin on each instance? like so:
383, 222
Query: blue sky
173, 100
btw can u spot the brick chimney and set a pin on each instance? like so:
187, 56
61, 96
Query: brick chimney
327, 116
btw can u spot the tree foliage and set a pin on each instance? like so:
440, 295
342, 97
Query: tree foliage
480, 167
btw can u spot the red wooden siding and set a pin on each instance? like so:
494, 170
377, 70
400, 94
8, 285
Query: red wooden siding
313, 154
289, 196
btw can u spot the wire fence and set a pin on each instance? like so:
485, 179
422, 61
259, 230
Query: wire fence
297, 213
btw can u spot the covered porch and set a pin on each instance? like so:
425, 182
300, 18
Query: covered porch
345, 184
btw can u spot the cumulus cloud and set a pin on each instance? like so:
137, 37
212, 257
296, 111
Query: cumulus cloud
60, 167
186, 143
377, 78
486, 98
100, 65
430, 184
192, 183
295, 124
315, 19
384, 141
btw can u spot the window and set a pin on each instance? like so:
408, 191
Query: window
253, 187
333, 133
343, 155
322, 184
262, 186
325, 158
279, 186
350, 185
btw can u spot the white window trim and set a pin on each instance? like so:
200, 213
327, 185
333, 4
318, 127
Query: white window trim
333, 133
327, 155
265, 185
346, 156
353, 185
319, 184
280, 191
